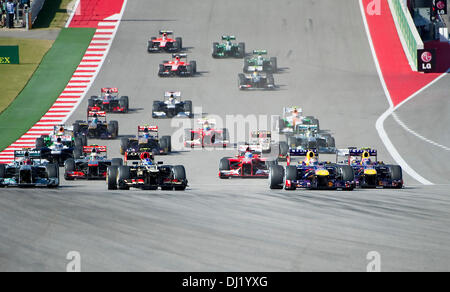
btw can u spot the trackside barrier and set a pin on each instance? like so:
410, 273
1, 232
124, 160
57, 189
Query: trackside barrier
407, 31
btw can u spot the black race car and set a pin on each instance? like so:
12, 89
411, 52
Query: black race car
145, 174
96, 126
109, 101
92, 166
172, 107
147, 140
256, 80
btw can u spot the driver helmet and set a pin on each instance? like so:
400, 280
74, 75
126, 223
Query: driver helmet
366, 161
94, 153
313, 161
164, 36
171, 98
353, 160
26, 159
146, 133
60, 131
206, 126
248, 155
147, 161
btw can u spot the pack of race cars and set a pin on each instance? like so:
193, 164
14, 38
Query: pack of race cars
262, 157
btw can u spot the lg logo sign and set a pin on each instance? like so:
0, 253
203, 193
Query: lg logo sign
426, 60
440, 6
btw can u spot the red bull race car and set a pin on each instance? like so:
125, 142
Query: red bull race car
311, 174
369, 172
207, 136
109, 101
92, 166
177, 67
164, 43
249, 163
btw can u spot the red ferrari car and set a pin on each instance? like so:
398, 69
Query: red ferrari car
177, 67
165, 43
207, 136
249, 163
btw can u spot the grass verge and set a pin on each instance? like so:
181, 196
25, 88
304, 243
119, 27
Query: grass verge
54, 14
46, 84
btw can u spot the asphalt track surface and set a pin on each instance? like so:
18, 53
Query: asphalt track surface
238, 225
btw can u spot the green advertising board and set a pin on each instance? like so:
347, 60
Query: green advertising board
9, 55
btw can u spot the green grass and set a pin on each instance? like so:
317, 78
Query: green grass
13, 78
46, 84
54, 14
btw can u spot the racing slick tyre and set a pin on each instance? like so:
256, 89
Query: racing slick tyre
241, 50
179, 173
270, 81
166, 144
281, 125
53, 172
40, 143
156, 108
69, 166
225, 137
91, 101
284, 149
188, 108
76, 128
161, 70
123, 145
123, 174
291, 174
246, 65
396, 173
224, 164
188, 135
179, 43
347, 174
276, 177
124, 103
79, 142
2, 170
241, 81
214, 50
84, 140
274, 64
113, 128
194, 67
111, 177
77, 152
117, 162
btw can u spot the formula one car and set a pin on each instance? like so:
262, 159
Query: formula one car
109, 101
29, 170
311, 174
145, 174
258, 63
96, 126
147, 140
264, 139
92, 166
249, 163
256, 80
227, 49
177, 67
60, 145
369, 172
172, 107
207, 136
307, 137
293, 116
164, 43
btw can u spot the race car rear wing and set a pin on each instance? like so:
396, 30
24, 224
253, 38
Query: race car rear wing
355, 152
169, 32
32, 154
179, 55
176, 94
228, 38
254, 148
98, 149
100, 114
261, 134
302, 152
110, 90
260, 52
290, 110
210, 121
153, 129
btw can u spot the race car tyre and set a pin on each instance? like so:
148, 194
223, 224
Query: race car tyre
179, 43
84, 139
270, 81
331, 142
69, 166
77, 152
117, 162
347, 174
281, 125
276, 177
188, 135
194, 66
270, 163
214, 50
124, 142
284, 148
241, 50
188, 108
52, 170
124, 103
291, 174
165, 143
246, 65
179, 173
111, 177
225, 135
241, 80
274, 64
2, 170
396, 174
76, 128
113, 128
91, 101
123, 174
40, 143
161, 70
224, 164
79, 142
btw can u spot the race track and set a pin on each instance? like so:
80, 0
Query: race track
240, 225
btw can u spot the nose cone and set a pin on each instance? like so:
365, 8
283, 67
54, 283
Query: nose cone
322, 172
370, 171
